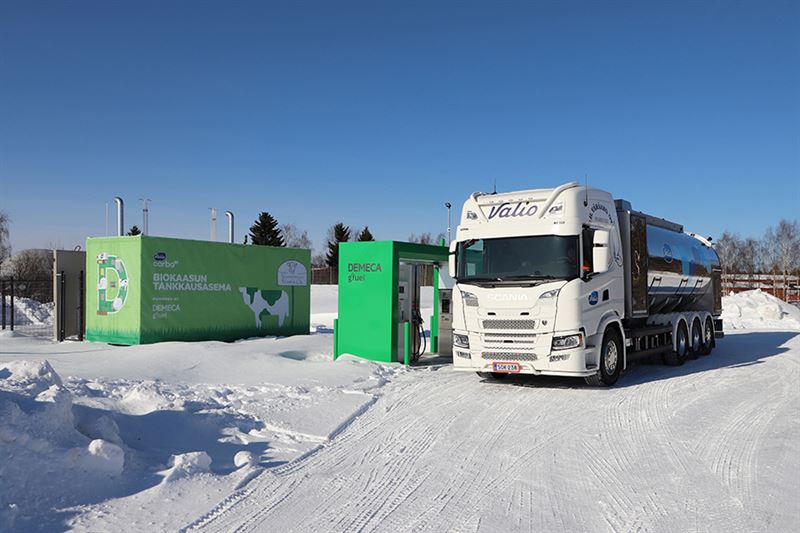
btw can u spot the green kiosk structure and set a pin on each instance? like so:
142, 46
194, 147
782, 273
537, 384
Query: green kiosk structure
379, 299
144, 289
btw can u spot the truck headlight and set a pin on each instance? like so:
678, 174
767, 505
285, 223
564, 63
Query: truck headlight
469, 299
549, 294
567, 342
461, 341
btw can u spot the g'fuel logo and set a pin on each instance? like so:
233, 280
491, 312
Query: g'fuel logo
358, 271
112, 284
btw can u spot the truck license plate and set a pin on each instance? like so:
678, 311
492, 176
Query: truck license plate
512, 368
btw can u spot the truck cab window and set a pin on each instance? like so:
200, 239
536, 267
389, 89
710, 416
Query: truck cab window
587, 245
519, 258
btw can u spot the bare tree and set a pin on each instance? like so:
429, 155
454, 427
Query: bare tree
422, 238
5, 243
787, 249
32, 265
727, 247
294, 237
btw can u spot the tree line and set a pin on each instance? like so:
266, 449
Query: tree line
266, 231
777, 252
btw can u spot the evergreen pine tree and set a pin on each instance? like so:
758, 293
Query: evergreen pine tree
265, 231
365, 235
134, 230
341, 233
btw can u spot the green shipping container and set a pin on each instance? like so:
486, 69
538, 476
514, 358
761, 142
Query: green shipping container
146, 289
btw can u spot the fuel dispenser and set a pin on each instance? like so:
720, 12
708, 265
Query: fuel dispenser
408, 310
445, 343
379, 296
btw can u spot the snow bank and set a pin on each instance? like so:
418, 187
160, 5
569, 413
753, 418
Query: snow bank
41, 450
28, 312
758, 310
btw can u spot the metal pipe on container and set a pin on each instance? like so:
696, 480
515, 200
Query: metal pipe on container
229, 214
120, 216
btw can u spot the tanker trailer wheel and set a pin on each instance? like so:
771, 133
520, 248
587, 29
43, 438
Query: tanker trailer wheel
708, 336
696, 338
610, 360
678, 356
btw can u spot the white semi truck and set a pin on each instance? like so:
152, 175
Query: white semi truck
570, 282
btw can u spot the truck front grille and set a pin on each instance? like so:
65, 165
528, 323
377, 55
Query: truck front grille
497, 323
499, 356
509, 338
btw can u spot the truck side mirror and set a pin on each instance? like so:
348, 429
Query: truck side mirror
601, 251
451, 260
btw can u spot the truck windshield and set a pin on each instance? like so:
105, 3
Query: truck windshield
518, 258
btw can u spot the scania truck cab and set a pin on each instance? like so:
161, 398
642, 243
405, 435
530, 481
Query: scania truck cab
569, 282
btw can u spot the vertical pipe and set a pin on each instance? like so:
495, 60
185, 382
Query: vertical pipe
62, 306
229, 214
406, 342
120, 216
12, 303
3, 302
145, 215
335, 338
81, 304
448, 206
213, 223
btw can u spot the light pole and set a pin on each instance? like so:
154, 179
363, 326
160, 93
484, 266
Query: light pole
448, 206
145, 215
213, 223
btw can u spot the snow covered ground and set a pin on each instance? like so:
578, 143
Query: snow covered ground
272, 435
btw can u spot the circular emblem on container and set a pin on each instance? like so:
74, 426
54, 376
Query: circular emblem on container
667, 253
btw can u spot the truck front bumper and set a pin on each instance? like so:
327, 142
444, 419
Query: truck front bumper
558, 363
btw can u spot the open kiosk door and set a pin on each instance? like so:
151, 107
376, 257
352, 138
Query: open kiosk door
408, 303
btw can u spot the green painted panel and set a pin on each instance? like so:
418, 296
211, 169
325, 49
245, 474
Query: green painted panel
113, 276
366, 300
200, 290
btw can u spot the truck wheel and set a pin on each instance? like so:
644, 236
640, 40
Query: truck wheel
610, 360
696, 345
678, 356
708, 336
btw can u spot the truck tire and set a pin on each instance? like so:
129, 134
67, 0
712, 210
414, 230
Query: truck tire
678, 356
696, 339
610, 364
708, 336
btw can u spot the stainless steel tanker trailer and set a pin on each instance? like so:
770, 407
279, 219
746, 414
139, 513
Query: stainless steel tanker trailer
570, 282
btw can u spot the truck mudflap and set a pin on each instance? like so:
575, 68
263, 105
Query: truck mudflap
718, 331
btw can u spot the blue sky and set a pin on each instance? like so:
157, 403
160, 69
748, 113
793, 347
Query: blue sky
378, 112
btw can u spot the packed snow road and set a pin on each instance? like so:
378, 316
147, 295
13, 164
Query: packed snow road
709, 446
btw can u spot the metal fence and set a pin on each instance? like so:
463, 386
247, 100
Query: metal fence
27, 306
787, 289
